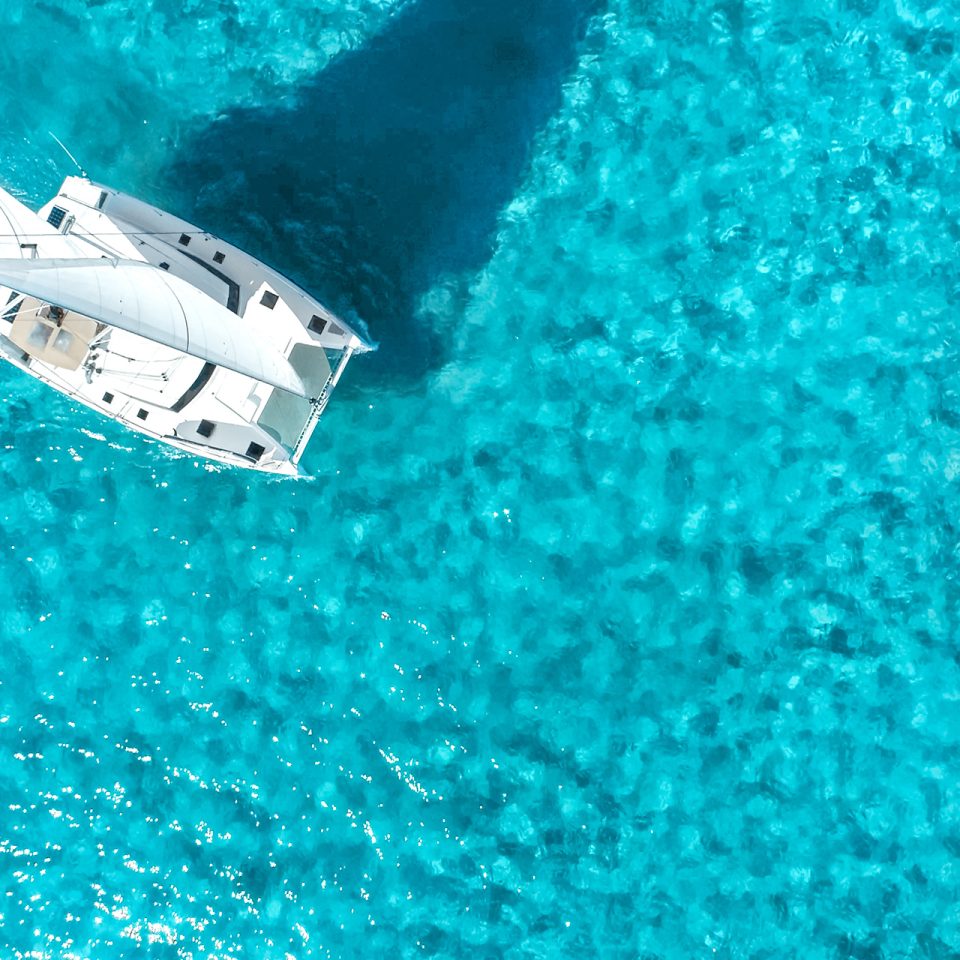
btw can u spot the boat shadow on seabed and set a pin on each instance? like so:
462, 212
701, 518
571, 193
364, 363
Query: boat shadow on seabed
388, 168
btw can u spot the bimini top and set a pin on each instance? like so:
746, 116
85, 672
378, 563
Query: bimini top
149, 302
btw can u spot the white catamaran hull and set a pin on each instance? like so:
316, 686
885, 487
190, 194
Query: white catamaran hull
165, 328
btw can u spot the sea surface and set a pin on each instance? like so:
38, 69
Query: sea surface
620, 617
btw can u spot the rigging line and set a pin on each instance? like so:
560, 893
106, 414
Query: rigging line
131, 374
123, 356
76, 162
13, 226
115, 233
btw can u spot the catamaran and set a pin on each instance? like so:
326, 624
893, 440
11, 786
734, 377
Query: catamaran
157, 324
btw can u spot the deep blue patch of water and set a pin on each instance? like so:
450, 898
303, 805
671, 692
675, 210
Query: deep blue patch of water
620, 618
396, 159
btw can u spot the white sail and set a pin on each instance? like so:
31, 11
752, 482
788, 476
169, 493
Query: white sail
154, 304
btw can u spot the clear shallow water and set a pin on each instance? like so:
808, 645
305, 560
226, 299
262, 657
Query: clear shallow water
621, 616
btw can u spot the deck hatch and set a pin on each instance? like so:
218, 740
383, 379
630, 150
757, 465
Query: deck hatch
108, 397
184, 240
256, 450
142, 414
205, 428
316, 324
269, 299
218, 257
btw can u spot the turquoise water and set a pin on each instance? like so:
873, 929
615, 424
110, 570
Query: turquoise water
620, 617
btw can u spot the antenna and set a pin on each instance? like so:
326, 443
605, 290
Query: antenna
76, 163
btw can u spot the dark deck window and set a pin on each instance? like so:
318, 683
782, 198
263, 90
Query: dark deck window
203, 378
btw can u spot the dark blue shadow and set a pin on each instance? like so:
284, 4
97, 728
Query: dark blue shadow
389, 167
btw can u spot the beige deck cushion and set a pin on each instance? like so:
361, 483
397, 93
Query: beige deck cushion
63, 346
